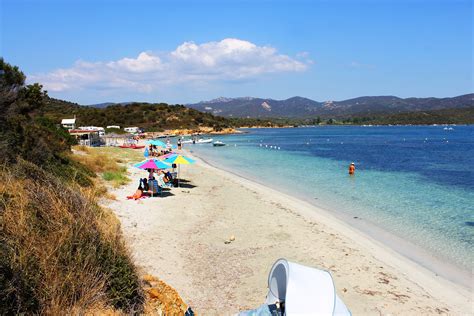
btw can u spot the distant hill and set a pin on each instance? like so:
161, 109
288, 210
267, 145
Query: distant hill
233, 112
299, 107
444, 116
151, 116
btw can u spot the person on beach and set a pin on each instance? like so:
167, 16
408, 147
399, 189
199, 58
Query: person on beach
352, 169
179, 143
150, 173
145, 184
168, 175
138, 193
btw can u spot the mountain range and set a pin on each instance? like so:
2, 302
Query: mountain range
299, 107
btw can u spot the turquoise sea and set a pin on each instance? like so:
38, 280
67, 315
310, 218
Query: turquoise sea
414, 182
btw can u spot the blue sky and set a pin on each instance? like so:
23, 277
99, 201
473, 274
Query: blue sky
187, 51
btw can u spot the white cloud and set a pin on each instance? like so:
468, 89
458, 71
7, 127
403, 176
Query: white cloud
229, 59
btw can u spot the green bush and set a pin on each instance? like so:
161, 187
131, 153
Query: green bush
60, 253
118, 177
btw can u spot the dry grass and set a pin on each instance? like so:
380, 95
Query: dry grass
107, 162
121, 155
59, 251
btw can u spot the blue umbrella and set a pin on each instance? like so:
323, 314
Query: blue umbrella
146, 153
156, 142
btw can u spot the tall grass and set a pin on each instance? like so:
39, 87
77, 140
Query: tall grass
105, 162
59, 251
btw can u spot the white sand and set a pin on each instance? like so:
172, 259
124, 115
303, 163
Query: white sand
180, 238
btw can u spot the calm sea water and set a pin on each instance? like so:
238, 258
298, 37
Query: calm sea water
414, 182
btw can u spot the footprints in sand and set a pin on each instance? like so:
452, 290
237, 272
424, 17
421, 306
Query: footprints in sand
402, 298
385, 278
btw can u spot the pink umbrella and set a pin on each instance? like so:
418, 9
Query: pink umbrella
153, 164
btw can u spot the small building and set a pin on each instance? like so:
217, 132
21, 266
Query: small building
101, 130
86, 137
115, 140
132, 130
113, 126
69, 123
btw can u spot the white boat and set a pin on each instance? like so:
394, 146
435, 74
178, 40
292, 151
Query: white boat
218, 144
203, 141
187, 141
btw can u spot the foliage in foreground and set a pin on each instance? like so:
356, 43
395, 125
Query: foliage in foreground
59, 251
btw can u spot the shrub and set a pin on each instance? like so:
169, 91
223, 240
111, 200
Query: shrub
117, 178
60, 251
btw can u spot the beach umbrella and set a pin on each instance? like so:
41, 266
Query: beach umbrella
156, 142
153, 164
146, 153
167, 155
179, 160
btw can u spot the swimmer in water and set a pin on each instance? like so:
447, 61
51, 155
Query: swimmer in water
352, 169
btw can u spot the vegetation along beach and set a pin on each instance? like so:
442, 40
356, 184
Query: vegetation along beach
177, 158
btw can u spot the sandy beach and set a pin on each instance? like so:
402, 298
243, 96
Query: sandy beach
180, 239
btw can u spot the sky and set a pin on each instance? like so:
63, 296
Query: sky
186, 51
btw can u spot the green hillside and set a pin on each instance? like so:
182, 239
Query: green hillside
445, 116
151, 116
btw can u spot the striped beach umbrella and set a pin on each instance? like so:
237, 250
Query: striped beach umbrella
153, 164
179, 160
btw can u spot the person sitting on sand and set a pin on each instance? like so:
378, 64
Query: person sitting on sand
352, 169
145, 184
138, 193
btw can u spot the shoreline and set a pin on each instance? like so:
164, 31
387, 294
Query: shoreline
180, 238
437, 267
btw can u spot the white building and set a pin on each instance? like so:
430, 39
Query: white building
131, 129
86, 137
69, 123
101, 130
113, 126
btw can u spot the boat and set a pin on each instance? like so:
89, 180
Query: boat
218, 144
187, 141
132, 146
204, 141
